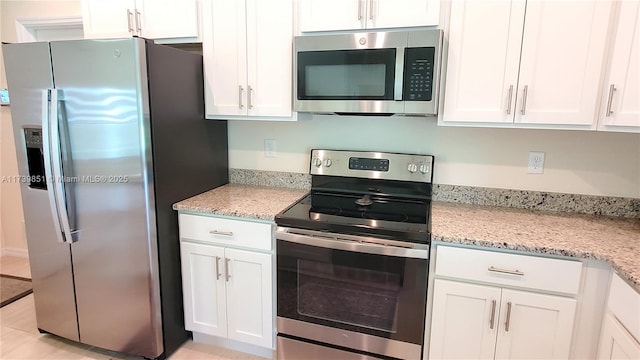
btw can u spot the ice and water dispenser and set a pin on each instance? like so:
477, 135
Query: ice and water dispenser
35, 158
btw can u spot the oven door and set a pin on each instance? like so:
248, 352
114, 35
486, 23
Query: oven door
352, 294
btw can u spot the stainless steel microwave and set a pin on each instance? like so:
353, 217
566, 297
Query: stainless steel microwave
372, 73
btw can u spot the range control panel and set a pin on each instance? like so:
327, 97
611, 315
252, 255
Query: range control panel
372, 165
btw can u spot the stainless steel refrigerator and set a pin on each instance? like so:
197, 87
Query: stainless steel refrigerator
109, 134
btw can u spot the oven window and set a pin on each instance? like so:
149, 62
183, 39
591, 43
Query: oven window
349, 295
346, 74
377, 295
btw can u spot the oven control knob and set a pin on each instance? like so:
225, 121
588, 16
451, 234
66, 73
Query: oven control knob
317, 162
328, 162
424, 168
412, 168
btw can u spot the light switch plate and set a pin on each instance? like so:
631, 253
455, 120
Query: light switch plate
4, 97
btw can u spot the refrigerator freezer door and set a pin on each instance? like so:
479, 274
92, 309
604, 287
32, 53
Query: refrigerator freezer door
103, 87
28, 68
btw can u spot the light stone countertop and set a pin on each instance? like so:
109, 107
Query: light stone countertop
614, 240
245, 201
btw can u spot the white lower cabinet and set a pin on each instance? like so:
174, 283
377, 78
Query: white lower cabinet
616, 342
228, 292
620, 336
484, 322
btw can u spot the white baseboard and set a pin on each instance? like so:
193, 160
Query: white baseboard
234, 345
17, 252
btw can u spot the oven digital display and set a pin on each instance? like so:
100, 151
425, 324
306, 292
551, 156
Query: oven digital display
356, 163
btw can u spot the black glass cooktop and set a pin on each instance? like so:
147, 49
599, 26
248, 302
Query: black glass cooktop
372, 214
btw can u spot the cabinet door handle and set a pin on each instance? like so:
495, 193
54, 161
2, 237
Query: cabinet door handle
129, 20
506, 323
240, 90
506, 271
612, 88
525, 90
138, 23
226, 268
360, 9
371, 10
493, 314
223, 233
218, 268
510, 96
249, 92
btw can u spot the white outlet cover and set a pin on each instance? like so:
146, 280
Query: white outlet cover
270, 148
536, 162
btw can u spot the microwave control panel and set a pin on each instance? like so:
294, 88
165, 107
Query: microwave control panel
418, 73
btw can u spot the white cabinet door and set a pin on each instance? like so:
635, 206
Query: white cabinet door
163, 19
402, 13
561, 65
249, 297
464, 320
616, 342
103, 19
269, 57
483, 60
224, 44
534, 326
621, 107
203, 287
329, 15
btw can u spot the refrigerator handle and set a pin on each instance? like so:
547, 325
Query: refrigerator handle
53, 165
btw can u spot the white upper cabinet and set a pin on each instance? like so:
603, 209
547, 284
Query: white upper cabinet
525, 66
247, 49
332, 15
169, 21
620, 109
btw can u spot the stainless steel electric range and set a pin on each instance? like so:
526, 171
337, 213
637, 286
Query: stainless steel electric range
352, 258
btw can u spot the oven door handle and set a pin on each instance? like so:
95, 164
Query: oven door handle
363, 246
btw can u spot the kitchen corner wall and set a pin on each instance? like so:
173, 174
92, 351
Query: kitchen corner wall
578, 162
12, 235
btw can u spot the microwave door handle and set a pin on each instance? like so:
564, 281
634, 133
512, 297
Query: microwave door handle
399, 77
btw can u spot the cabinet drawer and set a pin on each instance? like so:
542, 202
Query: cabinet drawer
226, 232
624, 303
509, 269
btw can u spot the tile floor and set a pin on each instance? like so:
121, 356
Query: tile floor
20, 339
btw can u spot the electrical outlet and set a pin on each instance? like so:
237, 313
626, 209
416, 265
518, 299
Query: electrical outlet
270, 148
536, 162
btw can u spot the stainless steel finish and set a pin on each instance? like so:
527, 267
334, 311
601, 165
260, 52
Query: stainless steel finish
506, 323
360, 9
226, 268
350, 339
240, 90
398, 165
506, 271
249, 91
138, 22
373, 40
115, 260
612, 89
218, 274
510, 96
129, 20
524, 99
289, 349
493, 314
28, 70
223, 233
46, 148
371, 10
360, 244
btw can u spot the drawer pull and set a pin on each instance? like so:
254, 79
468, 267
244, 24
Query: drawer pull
493, 314
218, 274
506, 271
223, 233
506, 323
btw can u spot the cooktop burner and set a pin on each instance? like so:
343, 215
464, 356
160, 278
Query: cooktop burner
365, 193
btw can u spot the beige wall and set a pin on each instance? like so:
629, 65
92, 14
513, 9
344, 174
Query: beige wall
12, 238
